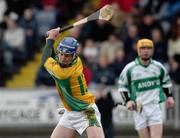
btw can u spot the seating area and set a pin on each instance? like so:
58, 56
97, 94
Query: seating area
105, 47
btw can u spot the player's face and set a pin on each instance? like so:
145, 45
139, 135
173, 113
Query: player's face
65, 59
145, 52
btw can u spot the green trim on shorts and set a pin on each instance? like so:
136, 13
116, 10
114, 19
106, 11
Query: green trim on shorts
92, 117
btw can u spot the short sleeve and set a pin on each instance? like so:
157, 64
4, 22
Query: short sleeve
49, 65
123, 83
166, 80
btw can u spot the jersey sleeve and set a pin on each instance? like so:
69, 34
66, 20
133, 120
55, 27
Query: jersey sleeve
123, 84
49, 65
48, 51
166, 80
58, 72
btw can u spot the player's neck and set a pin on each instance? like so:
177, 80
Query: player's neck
145, 62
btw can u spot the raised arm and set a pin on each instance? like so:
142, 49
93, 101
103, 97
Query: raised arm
48, 49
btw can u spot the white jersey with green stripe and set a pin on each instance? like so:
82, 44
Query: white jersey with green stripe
144, 83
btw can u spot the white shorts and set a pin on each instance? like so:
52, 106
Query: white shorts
79, 121
150, 115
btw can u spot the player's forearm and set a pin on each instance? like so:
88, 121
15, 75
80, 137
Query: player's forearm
48, 51
167, 92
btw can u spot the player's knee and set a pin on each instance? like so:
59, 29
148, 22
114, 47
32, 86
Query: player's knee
96, 135
156, 136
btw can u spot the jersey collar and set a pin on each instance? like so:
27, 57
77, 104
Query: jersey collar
74, 61
138, 62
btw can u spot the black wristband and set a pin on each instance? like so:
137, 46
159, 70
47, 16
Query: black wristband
169, 95
167, 92
125, 96
127, 100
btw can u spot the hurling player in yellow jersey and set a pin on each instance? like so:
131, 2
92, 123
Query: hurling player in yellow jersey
81, 113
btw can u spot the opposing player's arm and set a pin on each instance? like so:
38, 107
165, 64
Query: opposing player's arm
166, 82
124, 86
131, 105
125, 96
165, 78
167, 92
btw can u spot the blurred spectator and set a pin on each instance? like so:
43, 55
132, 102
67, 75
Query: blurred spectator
105, 105
125, 5
132, 20
103, 73
18, 6
90, 52
155, 7
108, 48
43, 78
163, 11
86, 30
130, 42
173, 7
75, 32
123, 30
68, 9
147, 24
29, 23
51, 3
175, 69
46, 19
174, 40
3, 8
160, 50
2, 68
137, 12
119, 61
13, 43
118, 16
63, 13
101, 30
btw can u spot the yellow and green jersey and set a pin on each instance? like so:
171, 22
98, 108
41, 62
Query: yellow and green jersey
71, 84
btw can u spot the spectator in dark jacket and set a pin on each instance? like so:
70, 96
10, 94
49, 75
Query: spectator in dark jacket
105, 105
175, 69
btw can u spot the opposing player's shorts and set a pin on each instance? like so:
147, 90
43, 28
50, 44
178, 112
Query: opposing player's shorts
79, 121
150, 115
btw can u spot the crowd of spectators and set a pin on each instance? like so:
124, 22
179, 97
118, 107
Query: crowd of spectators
105, 47
22, 29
